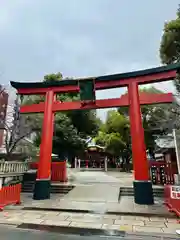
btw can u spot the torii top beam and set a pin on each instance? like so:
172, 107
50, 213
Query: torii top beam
151, 75
123, 101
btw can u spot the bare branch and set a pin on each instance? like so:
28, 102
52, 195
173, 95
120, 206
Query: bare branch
18, 140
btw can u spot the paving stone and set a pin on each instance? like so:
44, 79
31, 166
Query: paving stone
8, 213
127, 228
55, 223
129, 222
51, 213
78, 218
29, 215
69, 214
113, 217
85, 225
31, 220
169, 230
157, 219
94, 215
127, 218
4, 218
91, 220
14, 220
54, 218
160, 224
173, 225
107, 221
172, 220
147, 229
140, 218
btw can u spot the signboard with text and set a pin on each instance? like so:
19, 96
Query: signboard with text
175, 192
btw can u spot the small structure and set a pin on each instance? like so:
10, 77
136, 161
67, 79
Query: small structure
164, 167
166, 147
95, 155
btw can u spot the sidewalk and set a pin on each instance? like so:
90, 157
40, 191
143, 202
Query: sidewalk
93, 204
97, 203
129, 224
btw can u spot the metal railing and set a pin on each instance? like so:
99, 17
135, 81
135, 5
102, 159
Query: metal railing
13, 167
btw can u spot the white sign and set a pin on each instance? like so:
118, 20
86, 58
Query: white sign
175, 192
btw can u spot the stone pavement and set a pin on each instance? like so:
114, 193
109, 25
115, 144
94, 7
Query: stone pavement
94, 193
117, 178
88, 177
94, 203
110, 204
95, 221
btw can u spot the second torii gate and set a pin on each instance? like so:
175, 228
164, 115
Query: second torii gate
143, 193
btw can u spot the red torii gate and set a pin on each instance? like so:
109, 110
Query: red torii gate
143, 193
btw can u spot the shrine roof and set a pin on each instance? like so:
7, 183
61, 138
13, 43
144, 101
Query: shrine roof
74, 82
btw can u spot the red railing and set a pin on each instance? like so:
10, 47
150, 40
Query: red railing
10, 195
58, 171
172, 198
33, 165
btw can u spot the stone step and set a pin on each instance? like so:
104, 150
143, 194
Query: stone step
52, 190
64, 189
129, 191
26, 185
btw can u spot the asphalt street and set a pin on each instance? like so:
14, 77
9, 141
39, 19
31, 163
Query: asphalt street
13, 233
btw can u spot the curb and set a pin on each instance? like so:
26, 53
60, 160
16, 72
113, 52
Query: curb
94, 232
138, 214
72, 230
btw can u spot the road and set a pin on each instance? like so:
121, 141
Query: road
12, 233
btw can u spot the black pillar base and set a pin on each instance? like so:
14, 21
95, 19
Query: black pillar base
42, 189
143, 192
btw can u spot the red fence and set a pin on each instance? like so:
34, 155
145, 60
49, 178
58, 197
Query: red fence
10, 195
172, 198
161, 172
58, 171
33, 165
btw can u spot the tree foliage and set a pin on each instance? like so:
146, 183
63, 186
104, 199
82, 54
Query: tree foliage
170, 44
71, 127
157, 119
114, 134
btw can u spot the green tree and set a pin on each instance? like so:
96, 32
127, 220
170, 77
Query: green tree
114, 135
157, 119
170, 44
71, 127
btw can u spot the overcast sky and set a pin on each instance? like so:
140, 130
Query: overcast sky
81, 38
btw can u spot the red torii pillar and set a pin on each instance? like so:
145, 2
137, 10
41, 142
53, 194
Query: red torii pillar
43, 180
143, 192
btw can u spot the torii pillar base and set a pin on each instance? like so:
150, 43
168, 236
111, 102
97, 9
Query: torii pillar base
42, 189
143, 192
